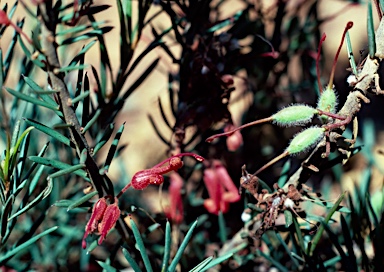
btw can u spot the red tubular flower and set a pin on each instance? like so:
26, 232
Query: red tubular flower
111, 215
143, 178
221, 188
103, 219
176, 210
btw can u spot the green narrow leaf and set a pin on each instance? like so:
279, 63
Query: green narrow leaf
33, 100
1, 70
217, 261
331, 262
66, 171
92, 121
157, 131
9, 56
82, 200
83, 155
86, 102
15, 133
6, 210
381, 2
54, 134
163, 114
329, 205
284, 173
167, 247
104, 62
112, 150
320, 231
265, 186
131, 261
24, 245
57, 164
278, 265
35, 179
47, 190
104, 139
34, 86
72, 68
222, 228
298, 233
371, 32
288, 218
140, 80
200, 266
2, 189
80, 97
79, 28
106, 267
348, 241
125, 46
288, 250
90, 34
20, 187
15, 148
351, 58
141, 247
29, 55
63, 203
180, 251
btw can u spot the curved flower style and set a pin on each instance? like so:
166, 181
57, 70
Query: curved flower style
221, 188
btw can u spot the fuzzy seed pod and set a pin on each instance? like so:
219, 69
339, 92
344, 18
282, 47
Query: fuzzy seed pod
294, 115
327, 101
305, 140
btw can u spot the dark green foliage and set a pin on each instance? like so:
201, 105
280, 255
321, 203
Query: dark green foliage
60, 135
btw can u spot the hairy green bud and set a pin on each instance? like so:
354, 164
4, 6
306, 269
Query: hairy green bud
295, 115
305, 139
327, 102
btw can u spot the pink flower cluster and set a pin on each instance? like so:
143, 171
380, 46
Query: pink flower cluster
221, 189
104, 216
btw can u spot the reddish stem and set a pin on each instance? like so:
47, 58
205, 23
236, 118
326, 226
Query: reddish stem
229, 133
323, 37
332, 115
347, 27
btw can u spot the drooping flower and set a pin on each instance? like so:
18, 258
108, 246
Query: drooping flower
176, 209
221, 188
103, 218
144, 178
235, 140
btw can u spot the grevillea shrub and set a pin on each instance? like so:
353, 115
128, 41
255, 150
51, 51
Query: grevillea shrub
241, 89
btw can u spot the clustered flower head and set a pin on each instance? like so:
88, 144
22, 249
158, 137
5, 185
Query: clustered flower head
221, 188
104, 216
